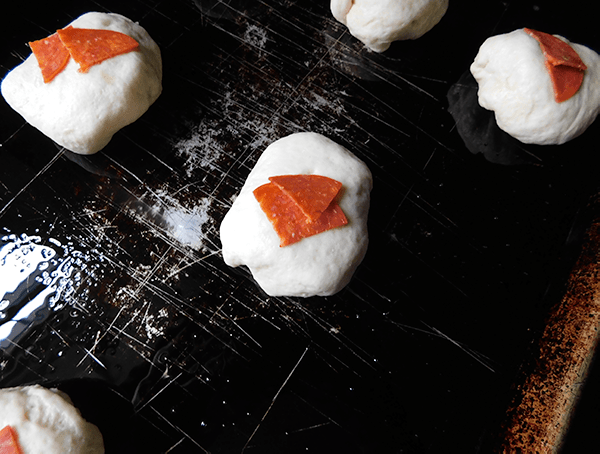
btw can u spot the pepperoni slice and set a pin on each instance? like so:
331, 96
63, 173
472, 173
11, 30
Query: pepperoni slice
312, 193
556, 51
289, 220
566, 81
89, 47
52, 56
563, 63
9, 443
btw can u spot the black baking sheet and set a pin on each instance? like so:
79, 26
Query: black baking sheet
137, 315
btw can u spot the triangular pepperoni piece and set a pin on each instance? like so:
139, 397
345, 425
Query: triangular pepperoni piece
563, 63
52, 56
89, 47
9, 443
556, 51
566, 81
283, 213
312, 193
289, 221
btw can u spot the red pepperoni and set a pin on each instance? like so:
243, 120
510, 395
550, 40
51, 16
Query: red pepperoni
51, 55
563, 63
286, 215
566, 81
89, 47
312, 193
9, 443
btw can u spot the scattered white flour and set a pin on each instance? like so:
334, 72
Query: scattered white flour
256, 36
242, 123
140, 317
152, 323
335, 106
207, 142
201, 149
185, 224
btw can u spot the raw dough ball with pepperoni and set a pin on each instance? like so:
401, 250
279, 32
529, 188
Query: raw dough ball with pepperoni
317, 265
46, 422
377, 23
82, 111
515, 84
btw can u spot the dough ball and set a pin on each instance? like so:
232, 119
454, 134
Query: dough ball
82, 111
514, 83
318, 265
377, 23
46, 422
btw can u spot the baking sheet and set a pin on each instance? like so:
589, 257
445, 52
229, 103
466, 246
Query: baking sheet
113, 260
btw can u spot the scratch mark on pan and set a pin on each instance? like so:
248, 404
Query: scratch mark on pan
327, 327
141, 284
151, 154
285, 102
379, 119
24, 188
385, 103
29, 368
178, 429
238, 326
318, 411
472, 354
367, 284
314, 426
433, 269
169, 383
125, 169
257, 314
14, 133
279, 37
122, 332
53, 331
158, 265
275, 398
387, 79
19, 55
91, 355
176, 304
175, 445
90, 352
179, 270
27, 352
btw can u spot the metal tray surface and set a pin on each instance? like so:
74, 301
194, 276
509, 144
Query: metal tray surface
115, 289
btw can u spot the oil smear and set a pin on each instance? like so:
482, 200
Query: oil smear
38, 278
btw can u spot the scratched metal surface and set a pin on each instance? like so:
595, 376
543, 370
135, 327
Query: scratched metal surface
114, 285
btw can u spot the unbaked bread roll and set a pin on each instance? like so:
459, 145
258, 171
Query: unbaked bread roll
46, 422
515, 84
377, 23
318, 265
82, 111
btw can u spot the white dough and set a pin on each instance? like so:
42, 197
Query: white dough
82, 111
377, 23
514, 83
318, 265
46, 422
